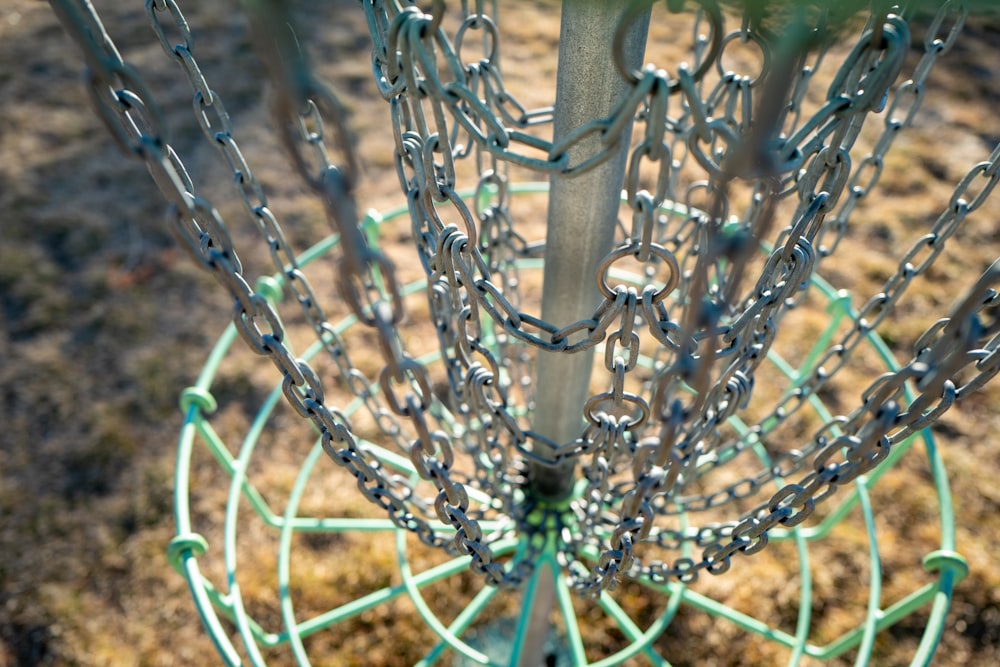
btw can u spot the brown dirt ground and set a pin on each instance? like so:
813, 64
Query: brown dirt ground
104, 321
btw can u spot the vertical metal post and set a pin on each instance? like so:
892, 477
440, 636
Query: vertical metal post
581, 219
581, 222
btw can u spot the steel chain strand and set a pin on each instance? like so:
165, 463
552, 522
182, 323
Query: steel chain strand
404, 44
453, 268
896, 284
635, 200
302, 99
841, 180
381, 316
868, 435
772, 291
641, 200
906, 101
357, 268
877, 308
248, 187
307, 401
119, 95
205, 237
451, 264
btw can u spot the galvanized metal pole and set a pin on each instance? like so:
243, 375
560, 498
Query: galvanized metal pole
581, 219
581, 222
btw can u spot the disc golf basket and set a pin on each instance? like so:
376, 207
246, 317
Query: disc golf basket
666, 382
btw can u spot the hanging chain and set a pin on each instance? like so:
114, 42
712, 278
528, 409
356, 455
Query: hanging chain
704, 318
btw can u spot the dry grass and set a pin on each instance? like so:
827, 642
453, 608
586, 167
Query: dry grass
103, 322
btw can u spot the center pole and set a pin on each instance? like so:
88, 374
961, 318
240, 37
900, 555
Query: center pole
583, 211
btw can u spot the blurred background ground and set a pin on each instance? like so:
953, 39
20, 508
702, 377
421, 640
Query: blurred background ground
103, 322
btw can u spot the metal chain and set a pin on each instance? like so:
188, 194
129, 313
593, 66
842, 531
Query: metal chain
700, 314
201, 231
879, 306
776, 288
